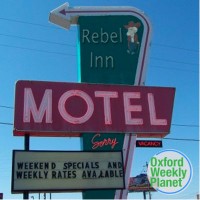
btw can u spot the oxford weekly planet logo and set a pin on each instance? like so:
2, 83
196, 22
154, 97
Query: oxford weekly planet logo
169, 171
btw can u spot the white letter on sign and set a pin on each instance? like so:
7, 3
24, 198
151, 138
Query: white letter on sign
128, 108
30, 106
66, 116
106, 100
152, 111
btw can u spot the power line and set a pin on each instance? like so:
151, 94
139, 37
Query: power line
25, 22
174, 68
183, 125
173, 61
37, 50
41, 25
37, 40
5, 123
30, 23
183, 139
53, 27
174, 47
186, 125
65, 54
180, 139
51, 42
6, 107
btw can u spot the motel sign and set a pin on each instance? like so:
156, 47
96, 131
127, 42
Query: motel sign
77, 107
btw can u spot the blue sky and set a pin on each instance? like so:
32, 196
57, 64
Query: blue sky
31, 48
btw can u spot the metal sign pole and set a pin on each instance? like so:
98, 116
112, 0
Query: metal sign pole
26, 148
144, 194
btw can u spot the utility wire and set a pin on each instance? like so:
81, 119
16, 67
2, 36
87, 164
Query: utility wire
51, 42
30, 23
53, 27
181, 139
25, 22
6, 107
59, 53
173, 61
191, 140
5, 123
185, 125
174, 68
38, 50
65, 44
66, 54
174, 47
37, 40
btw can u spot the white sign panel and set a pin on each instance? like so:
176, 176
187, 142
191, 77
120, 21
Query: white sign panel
63, 171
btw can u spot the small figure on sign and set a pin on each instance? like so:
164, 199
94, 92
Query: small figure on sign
133, 43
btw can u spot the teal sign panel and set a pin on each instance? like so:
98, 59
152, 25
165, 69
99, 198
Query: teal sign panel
109, 48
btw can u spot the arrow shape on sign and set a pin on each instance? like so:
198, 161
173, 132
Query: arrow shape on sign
63, 12
65, 15
58, 16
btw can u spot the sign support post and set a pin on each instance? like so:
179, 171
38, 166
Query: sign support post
144, 194
26, 148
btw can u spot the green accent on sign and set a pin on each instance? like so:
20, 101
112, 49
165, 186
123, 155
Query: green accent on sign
93, 142
108, 54
103, 141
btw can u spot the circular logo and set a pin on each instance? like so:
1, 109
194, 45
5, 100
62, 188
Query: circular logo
169, 171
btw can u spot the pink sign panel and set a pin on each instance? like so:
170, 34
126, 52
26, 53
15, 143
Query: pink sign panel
68, 109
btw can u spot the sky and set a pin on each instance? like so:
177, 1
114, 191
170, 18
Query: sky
31, 48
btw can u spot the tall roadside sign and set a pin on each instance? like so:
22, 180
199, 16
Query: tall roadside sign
108, 109
113, 47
